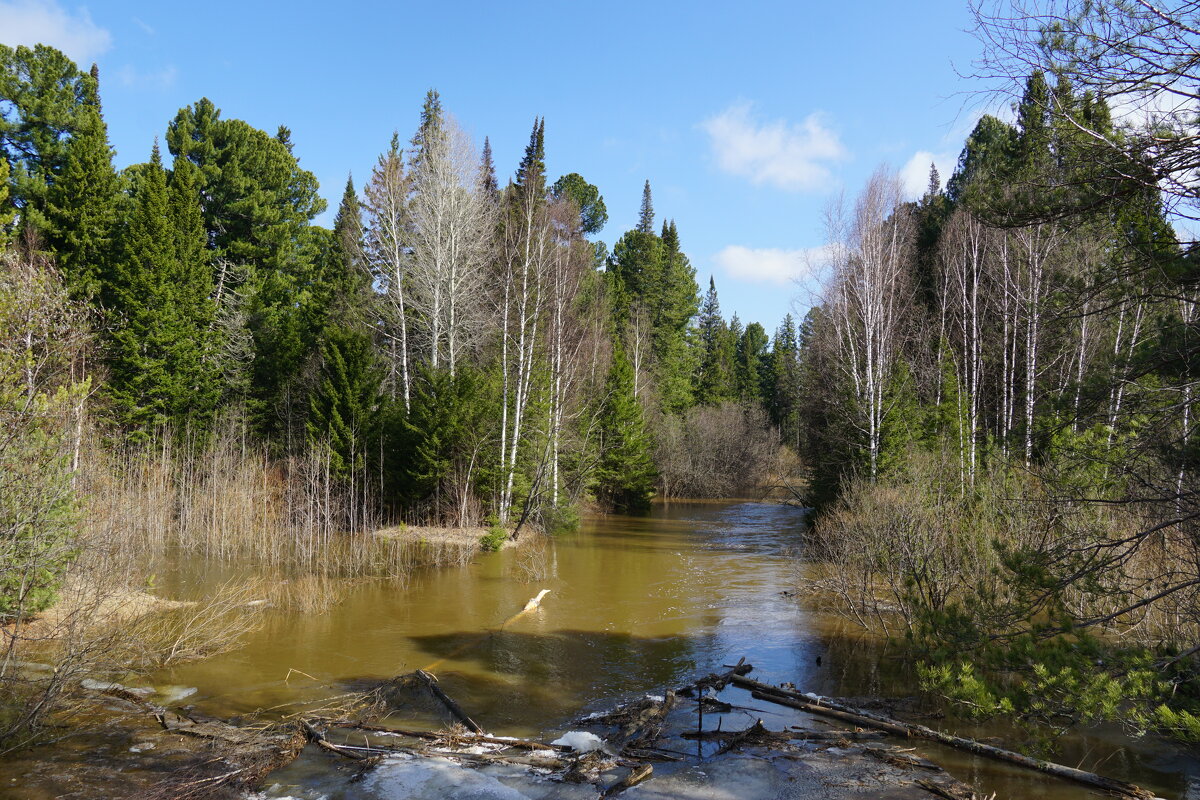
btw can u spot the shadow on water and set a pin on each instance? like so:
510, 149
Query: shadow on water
636, 604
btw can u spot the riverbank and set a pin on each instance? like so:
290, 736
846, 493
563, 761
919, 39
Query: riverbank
636, 605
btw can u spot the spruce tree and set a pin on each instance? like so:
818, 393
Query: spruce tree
783, 396
81, 204
751, 370
347, 281
156, 350
344, 408
487, 173
646, 215
625, 474
192, 286
715, 380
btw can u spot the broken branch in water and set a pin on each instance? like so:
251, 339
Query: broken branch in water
432, 682
867, 719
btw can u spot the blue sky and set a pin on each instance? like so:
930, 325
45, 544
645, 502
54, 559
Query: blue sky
746, 118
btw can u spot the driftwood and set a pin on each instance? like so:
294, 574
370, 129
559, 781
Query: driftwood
786, 736
446, 736
867, 719
637, 775
432, 682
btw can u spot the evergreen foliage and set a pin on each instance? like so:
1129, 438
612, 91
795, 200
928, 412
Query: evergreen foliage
345, 407
624, 476
160, 371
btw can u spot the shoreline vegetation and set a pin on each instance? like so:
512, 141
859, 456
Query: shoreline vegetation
990, 408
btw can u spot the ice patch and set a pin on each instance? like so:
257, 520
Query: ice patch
580, 741
435, 779
173, 694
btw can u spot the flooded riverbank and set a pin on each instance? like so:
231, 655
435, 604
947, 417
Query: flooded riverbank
634, 604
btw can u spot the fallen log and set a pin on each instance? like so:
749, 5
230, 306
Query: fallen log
432, 682
716, 681
867, 719
522, 744
756, 729
637, 775
642, 732
800, 736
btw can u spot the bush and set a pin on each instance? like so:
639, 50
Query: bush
493, 540
41, 336
560, 519
728, 450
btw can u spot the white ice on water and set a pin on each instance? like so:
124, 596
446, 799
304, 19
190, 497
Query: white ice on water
435, 779
580, 741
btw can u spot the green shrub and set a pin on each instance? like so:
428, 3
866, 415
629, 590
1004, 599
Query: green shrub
493, 540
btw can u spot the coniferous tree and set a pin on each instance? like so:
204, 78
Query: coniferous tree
784, 387
44, 95
646, 215
258, 204
192, 293
751, 369
625, 475
715, 381
487, 173
347, 279
156, 350
587, 198
344, 408
7, 212
81, 204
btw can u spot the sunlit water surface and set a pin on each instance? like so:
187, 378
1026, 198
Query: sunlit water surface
636, 604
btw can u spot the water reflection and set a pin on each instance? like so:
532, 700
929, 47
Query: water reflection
635, 605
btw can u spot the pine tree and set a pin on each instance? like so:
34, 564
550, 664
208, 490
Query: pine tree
258, 204
44, 96
625, 475
7, 212
593, 214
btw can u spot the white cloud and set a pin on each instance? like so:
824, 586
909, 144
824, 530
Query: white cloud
31, 22
770, 265
915, 174
792, 156
154, 79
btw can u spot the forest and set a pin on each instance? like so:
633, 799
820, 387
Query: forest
189, 363
995, 397
988, 412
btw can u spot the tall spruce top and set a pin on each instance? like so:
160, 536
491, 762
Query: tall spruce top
646, 218
487, 171
531, 175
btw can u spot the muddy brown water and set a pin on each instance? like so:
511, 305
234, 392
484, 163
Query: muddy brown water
636, 604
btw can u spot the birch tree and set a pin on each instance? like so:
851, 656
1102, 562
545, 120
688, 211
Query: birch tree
451, 224
387, 244
871, 296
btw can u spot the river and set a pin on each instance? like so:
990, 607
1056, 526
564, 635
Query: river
635, 604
